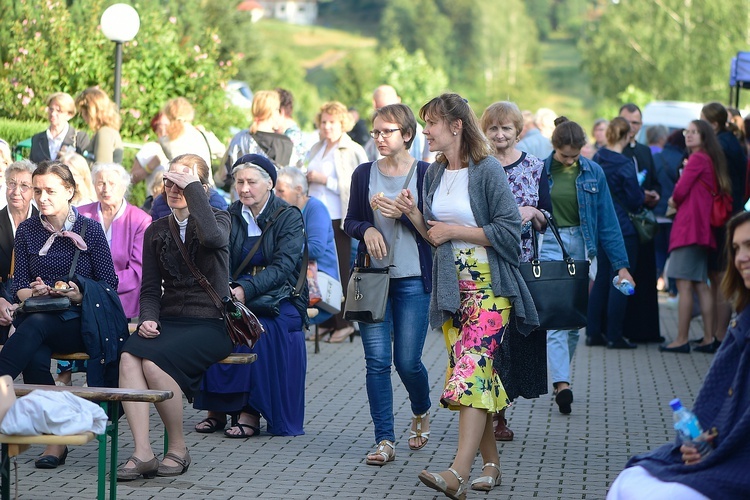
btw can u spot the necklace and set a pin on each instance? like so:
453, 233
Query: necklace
449, 184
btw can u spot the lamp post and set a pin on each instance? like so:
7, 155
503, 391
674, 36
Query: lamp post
120, 23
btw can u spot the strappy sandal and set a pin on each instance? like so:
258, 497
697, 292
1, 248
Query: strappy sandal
486, 483
214, 425
380, 451
437, 483
183, 463
416, 422
243, 434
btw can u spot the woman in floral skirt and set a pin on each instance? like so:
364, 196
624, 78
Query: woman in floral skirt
471, 217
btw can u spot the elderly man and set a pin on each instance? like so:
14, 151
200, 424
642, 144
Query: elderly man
383, 96
532, 141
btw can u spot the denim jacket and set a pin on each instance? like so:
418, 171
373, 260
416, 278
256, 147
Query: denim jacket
597, 213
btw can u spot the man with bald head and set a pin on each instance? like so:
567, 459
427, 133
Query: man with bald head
383, 96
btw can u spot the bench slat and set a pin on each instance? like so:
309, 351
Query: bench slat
99, 393
233, 359
49, 439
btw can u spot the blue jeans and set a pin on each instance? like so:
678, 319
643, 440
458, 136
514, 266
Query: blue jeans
561, 344
407, 317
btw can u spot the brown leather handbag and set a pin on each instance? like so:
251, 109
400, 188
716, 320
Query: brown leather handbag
242, 325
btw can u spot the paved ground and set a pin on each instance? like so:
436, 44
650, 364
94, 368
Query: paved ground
621, 407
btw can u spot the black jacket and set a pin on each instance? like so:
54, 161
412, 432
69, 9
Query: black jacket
282, 247
736, 166
40, 144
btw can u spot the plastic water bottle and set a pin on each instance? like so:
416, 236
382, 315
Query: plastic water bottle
625, 286
641, 177
688, 427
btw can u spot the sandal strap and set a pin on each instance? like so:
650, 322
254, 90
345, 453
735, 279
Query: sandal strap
490, 464
380, 450
417, 433
176, 458
458, 476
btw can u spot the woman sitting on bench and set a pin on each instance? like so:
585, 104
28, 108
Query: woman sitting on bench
181, 332
45, 254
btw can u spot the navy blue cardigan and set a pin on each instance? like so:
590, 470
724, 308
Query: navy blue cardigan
359, 218
724, 403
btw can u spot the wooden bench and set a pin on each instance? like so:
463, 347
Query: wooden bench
109, 399
236, 358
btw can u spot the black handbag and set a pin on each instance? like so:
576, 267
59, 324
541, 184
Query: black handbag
242, 325
367, 291
47, 303
268, 304
560, 289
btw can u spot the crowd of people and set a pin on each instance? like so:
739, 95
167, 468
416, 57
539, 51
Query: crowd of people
449, 207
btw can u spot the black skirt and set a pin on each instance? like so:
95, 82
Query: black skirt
184, 349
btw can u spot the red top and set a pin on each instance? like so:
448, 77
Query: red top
692, 224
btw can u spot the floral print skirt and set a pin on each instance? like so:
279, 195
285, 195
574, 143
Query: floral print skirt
473, 336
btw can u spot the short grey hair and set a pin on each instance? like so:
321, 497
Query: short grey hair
20, 166
263, 174
112, 167
295, 178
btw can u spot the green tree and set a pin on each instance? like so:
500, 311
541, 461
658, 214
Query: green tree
415, 80
671, 49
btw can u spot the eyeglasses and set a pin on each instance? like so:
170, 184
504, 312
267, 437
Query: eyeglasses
169, 184
12, 185
689, 132
59, 111
385, 134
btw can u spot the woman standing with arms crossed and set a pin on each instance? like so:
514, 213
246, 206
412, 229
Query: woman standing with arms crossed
471, 216
692, 237
587, 220
330, 164
103, 117
386, 235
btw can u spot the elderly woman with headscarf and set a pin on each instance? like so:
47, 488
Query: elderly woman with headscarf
265, 254
60, 136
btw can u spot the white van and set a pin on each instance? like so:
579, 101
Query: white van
672, 114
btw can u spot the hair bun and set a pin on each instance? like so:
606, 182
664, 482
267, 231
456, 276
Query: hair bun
561, 119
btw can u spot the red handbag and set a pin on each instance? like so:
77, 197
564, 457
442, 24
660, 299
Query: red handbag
721, 208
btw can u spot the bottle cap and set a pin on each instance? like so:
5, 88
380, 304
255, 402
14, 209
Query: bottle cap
676, 404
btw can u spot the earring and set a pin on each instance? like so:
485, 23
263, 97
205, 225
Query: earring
454, 133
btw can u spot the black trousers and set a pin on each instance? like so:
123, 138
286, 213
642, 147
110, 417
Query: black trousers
37, 336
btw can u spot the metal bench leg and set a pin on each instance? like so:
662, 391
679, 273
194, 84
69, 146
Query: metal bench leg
166, 442
5, 473
115, 408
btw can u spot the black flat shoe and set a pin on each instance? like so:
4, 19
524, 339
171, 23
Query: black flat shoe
595, 340
51, 461
682, 349
621, 344
564, 399
709, 348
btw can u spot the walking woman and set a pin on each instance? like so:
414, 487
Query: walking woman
604, 300
471, 216
692, 237
181, 332
522, 359
387, 236
587, 221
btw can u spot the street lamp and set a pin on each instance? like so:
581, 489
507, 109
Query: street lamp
120, 23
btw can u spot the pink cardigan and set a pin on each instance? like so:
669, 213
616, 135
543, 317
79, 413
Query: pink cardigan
692, 224
127, 252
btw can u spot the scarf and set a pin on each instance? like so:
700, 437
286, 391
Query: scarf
77, 240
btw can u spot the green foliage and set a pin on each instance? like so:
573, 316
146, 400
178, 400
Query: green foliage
15, 131
669, 49
412, 76
51, 48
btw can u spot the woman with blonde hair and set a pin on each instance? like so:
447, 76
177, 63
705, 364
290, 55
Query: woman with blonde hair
79, 167
103, 117
261, 137
182, 137
60, 136
330, 164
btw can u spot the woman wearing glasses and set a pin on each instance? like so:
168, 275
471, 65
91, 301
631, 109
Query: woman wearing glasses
330, 164
60, 135
387, 236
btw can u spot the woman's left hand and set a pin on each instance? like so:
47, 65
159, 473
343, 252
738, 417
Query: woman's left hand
439, 232
182, 179
73, 293
690, 454
148, 330
534, 215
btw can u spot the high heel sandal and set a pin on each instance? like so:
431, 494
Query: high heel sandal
418, 433
486, 483
437, 483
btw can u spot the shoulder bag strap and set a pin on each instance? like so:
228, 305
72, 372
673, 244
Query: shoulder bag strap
405, 186
245, 262
198, 275
78, 252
